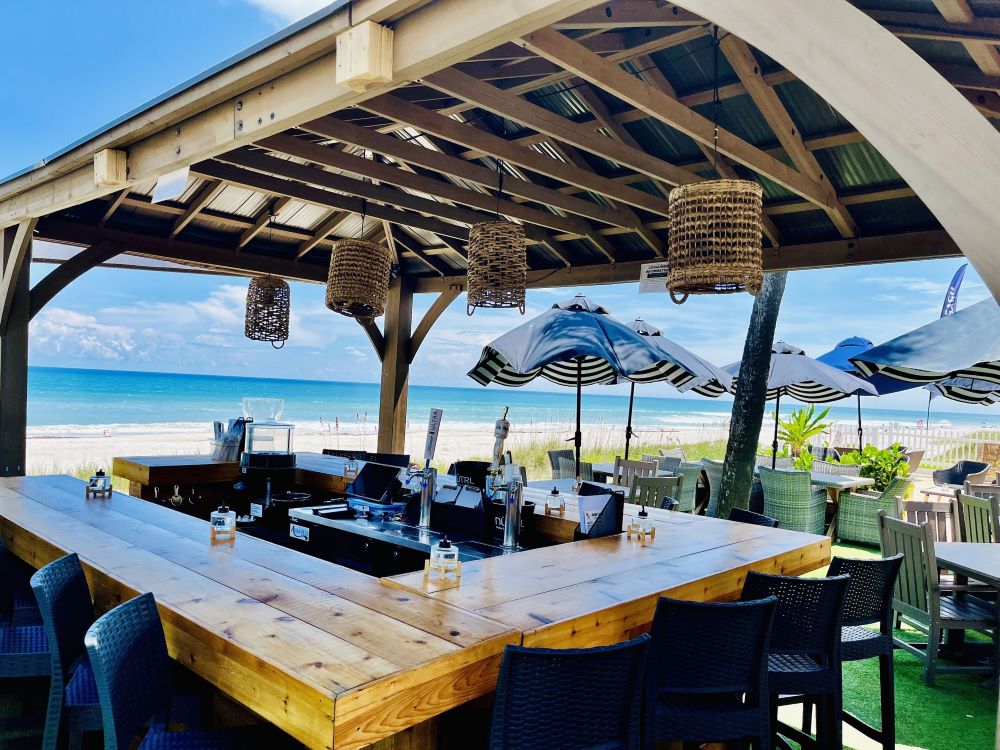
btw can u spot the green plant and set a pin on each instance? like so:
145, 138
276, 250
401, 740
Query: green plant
804, 461
802, 425
881, 464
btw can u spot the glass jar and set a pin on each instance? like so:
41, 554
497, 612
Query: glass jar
269, 437
223, 522
444, 558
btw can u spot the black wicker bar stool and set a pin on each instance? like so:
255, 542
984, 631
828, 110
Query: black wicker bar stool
804, 655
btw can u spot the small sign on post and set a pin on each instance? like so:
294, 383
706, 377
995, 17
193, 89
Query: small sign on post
653, 278
433, 428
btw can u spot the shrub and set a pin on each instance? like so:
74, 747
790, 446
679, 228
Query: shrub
881, 464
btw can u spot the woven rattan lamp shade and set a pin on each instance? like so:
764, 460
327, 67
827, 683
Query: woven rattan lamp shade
498, 270
359, 279
268, 307
715, 238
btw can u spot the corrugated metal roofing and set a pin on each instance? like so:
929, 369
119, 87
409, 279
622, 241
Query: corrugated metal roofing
888, 217
809, 112
857, 166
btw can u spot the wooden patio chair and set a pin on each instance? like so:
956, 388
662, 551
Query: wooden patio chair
928, 605
936, 513
978, 518
626, 470
652, 491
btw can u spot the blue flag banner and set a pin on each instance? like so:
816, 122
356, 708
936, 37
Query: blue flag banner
951, 298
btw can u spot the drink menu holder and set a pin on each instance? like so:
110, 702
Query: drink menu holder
611, 518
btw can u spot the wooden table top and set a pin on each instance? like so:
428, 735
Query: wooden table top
976, 560
330, 655
599, 591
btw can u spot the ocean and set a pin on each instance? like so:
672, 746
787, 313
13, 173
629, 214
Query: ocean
64, 401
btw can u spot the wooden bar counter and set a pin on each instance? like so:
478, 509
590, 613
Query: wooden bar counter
339, 659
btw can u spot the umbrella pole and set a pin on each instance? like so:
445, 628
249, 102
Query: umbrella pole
861, 443
774, 444
930, 395
578, 436
628, 427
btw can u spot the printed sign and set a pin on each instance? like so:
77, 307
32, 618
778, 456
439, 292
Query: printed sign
257, 510
653, 278
433, 428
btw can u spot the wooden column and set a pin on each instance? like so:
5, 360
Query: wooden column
16, 264
395, 367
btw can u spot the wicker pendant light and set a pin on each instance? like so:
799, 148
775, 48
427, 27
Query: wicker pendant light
498, 270
715, 229
268, 309
358, 280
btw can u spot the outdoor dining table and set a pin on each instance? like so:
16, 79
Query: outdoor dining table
946, 491
979, 561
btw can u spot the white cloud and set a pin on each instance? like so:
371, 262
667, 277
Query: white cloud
288, 11
56, 330
356, 353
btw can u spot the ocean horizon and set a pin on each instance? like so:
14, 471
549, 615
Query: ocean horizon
69, 401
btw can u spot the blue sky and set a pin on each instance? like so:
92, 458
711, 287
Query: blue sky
78, 69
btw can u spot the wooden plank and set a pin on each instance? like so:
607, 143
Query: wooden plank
469, 136
265, 219
205, 195
900, 90
395, 368
984, 54
624, 14
169, 470
613, 79
14, 350
15, 246
113, 205
67, 272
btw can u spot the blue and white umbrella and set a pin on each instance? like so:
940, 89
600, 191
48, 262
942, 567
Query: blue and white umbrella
577, 343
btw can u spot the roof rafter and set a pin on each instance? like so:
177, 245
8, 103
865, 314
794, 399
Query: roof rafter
205, 195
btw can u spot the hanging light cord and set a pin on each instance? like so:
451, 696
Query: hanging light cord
716, 101
499, 186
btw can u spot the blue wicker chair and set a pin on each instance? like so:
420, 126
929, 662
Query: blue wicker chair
128, 654
748, 516
67, 611
789, 498
805, 655
17, 603
869, 602
570, 699
707, 674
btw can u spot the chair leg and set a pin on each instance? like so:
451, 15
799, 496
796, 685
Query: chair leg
933, 646
887, 699
76, 741
807, 715
53, 715
837, 719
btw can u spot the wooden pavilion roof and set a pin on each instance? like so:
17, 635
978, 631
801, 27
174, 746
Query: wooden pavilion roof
592, 120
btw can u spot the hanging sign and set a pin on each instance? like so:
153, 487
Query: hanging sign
433, 428
653, 278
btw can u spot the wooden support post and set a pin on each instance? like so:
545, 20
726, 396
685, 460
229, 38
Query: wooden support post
16, 259
395, 367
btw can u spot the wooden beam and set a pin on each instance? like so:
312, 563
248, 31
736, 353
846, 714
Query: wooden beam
915, 25
517, 109
16, 247
412, 153
266, 217
984, 54
72, 233
14, 357
205, 195
324, 230
385, 173
623, 14
894, 248
327, 198
113, 205
438, 306
747, 69
67, 272
470, 136
613, 79
279, 87
374, 336
395, 368
422, 257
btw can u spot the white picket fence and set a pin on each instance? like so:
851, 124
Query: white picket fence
942, 446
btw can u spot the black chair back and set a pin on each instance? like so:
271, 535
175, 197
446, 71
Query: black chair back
869, 593
67, 610
758, 519
570, 699
807, 620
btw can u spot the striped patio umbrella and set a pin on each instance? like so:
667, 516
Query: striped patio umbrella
966, 391
577, 343
965, 344
712, 381
803, 378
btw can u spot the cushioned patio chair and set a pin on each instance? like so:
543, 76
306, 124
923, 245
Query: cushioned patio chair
128, 655
707, 673
931, 607
652, 491
689, 474
857, 517
713, 472
959, 473
789, 498
804, 655
564, 699
567, 469
554, 457
757, 519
